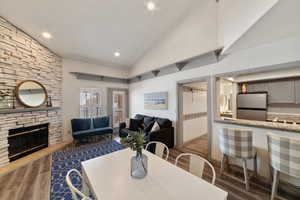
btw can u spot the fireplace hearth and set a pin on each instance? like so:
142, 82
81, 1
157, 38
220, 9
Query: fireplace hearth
26, 140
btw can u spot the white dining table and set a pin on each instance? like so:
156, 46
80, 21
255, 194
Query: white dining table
108, 178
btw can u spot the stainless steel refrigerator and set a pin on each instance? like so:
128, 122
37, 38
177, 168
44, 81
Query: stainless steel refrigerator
252, 106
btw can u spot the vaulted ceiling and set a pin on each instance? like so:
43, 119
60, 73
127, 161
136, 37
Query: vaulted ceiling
92, 30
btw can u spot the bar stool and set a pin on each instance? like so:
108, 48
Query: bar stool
284, 158
237, 143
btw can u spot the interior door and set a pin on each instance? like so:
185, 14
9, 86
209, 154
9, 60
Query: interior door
118, 107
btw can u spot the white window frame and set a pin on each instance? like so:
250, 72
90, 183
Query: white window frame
91, 102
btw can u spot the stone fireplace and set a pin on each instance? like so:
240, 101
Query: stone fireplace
23, 58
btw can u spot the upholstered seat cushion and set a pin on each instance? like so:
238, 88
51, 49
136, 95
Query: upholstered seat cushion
83, 133
93, 132
101, 131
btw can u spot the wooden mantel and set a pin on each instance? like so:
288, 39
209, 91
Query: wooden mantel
20, 110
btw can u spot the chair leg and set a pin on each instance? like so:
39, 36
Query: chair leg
275, 184
222, 164
246, 174
227, 163
255, 165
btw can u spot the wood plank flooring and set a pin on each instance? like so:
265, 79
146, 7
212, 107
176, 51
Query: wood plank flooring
29, 182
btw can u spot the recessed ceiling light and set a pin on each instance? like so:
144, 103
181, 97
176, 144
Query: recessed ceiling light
46, 35
117, 54
151, 6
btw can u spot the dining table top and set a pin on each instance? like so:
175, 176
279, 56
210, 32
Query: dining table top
108, 177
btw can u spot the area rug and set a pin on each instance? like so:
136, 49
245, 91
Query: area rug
71, 158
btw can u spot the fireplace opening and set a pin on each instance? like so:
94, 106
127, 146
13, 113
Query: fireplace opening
26, 140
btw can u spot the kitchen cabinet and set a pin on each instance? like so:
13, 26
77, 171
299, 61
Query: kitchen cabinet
282, 91
257, 87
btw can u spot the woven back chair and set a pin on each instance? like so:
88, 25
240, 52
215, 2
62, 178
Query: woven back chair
237, 143
284, 157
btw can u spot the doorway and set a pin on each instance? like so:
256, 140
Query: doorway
117, 105
194, 117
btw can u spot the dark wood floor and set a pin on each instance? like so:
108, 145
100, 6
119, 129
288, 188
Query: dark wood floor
32, 182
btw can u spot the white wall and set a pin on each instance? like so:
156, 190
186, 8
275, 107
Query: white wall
235, 17
195, 35
281, 22
72, 85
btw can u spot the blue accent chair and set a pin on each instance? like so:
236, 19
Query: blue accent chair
82, 128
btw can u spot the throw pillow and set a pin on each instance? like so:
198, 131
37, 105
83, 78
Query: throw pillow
148, 120
155, 127
135, 125
164, 123
148, 128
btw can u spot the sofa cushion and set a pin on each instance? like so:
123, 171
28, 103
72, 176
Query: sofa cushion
148, 121
101, 122
136, 125
139, 117
88, 132
80, 124
164, 123
148, 128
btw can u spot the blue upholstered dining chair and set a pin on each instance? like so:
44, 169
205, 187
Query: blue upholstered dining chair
237, 143
284, 158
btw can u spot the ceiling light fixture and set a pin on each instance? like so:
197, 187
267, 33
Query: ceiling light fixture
46, 35
117, 54
151, 6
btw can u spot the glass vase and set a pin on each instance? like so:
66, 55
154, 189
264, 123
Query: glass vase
139, 165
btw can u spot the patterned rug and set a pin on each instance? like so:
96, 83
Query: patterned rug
71, 158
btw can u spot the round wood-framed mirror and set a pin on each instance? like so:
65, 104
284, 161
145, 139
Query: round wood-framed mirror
31, 93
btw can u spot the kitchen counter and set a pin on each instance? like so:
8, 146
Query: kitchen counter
261, 124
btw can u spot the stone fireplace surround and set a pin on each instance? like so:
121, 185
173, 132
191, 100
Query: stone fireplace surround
23, 58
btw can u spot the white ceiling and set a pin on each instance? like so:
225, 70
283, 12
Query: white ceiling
92, 30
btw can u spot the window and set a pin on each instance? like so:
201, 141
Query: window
91, 104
